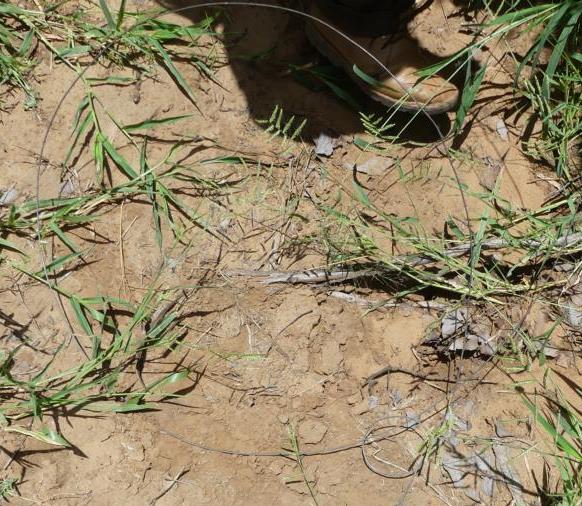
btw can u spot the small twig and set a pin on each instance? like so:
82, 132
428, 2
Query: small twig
311, 276
367, 440
389, 369
403, 473
274, 343
169, 486
294, 320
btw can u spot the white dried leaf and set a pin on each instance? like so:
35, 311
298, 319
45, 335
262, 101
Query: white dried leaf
549, 350
8, 197
573, 311
469, 343
68, 188
453, 322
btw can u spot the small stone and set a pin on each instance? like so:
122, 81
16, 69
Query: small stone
541, 324
473, 494
396, 397
224, 224
573, 311
133, 451
354, 399
324, 144
312, 431
452, 438
487, 345
501, 129
490, 173
501, 429
507, 473
276, 467
455, 468
375, 166
463, 425
487, 486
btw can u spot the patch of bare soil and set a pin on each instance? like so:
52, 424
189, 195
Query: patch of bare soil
273, 365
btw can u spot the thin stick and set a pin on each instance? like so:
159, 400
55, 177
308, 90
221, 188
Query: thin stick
274, 343
168, 487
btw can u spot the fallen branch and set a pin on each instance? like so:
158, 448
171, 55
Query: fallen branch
343, 274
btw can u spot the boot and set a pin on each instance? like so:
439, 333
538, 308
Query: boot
400, 54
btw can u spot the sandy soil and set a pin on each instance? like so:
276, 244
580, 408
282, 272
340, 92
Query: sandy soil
267, 359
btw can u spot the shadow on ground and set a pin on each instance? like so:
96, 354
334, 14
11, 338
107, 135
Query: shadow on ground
274, 64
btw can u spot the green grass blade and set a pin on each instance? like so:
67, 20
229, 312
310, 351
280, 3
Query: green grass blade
119, 160
4, 244
365, 77
46, 435
107, 14
468, 97
558, 52
120, 15
57, 263
174, 72
152, 123
69, 243
559, 440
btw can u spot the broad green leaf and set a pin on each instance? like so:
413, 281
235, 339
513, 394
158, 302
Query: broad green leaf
559, 440
558, 52
116, 407
99, 157
120, 15
80, 314
115, 80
